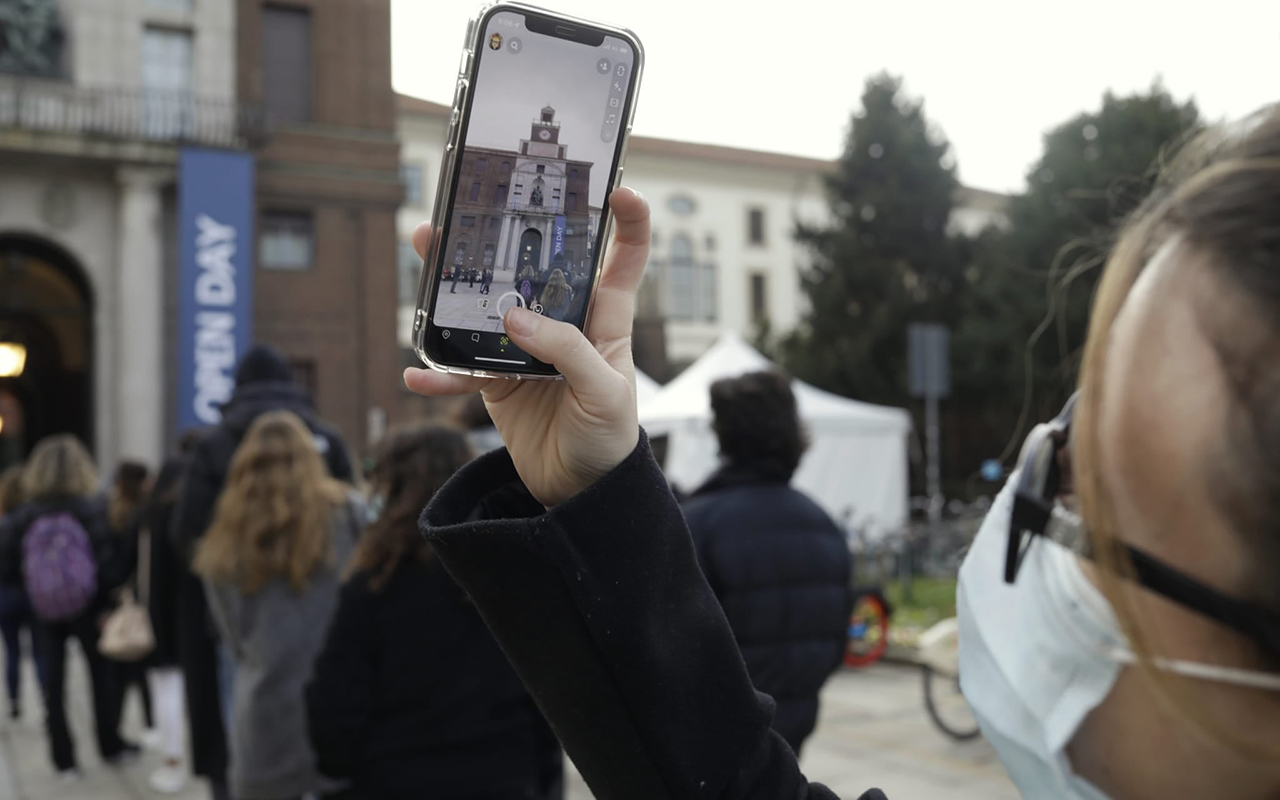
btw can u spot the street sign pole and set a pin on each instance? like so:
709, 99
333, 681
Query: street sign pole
930, 371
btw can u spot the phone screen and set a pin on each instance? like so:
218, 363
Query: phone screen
537, 159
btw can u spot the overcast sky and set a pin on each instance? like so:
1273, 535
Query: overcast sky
994, 74
546, 71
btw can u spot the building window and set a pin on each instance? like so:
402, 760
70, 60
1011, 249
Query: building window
494, 222
682, 277
506, 167
500, 195
459, 254
681, 205
285, 241
286, 64
303, 371
711, 242
487, 260
166, 82
410, 268
755, 225
468, 222
569, 230
573, 174
411, 177
759, 296
542, 168
572, 205
481, 164
475, 192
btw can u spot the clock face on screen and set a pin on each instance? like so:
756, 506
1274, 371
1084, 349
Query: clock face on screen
544, 134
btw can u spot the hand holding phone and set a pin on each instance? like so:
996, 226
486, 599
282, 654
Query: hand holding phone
538, 132
565, 435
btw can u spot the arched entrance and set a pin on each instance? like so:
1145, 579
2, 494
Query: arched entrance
46, 310
530, 250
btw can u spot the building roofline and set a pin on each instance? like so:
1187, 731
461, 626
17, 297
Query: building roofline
650, 145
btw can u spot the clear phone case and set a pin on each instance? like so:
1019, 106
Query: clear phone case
427, 283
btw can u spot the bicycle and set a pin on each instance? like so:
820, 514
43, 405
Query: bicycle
943, 698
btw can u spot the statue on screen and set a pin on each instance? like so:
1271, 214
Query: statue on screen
31, 37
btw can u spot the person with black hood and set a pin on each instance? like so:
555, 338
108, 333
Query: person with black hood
263, 383
777, 563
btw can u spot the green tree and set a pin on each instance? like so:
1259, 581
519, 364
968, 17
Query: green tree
1017, 349
886, 259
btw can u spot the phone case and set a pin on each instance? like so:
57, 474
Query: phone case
446, 185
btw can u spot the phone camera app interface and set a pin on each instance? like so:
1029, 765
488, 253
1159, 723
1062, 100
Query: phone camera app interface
536, 160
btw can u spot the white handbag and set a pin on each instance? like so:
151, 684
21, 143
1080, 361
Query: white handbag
127, 633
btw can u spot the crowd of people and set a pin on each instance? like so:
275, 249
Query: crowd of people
302, 641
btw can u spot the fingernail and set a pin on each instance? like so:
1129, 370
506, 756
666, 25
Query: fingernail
636, 193
521, 322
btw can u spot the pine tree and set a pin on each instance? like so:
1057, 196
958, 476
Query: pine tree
886, 260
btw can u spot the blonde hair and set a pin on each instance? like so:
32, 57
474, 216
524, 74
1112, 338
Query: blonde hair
556, 294
275, 515
1219, 198
59, 467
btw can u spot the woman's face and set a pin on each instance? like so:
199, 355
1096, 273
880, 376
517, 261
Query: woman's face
1161, 433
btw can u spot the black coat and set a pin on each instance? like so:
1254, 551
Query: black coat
112, 555
202, 481
780, 568
166, 567
600, 605
412, 698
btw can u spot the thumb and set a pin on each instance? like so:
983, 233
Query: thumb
565, 347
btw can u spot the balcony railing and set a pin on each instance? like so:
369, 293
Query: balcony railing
52, 106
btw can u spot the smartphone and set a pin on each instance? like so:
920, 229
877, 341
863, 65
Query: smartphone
538, 132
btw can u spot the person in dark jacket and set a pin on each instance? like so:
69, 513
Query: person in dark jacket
411, 695
60, 478
125, 499
263, 383
778, 564
577, 557
15, 606
166, 573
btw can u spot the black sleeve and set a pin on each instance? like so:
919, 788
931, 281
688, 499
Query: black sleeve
10, 551
197, 499
340, 693
601, 607
338, 458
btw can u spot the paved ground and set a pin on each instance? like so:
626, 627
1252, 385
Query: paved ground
873, 732
469, 310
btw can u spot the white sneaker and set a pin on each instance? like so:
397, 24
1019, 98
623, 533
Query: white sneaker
168, 780
72, 775
151, 739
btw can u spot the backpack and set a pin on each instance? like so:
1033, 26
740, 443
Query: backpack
58, 567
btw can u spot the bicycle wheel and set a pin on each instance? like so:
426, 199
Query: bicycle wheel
868, 632
946, 705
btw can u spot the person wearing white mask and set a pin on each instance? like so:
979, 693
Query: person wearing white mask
1121, 643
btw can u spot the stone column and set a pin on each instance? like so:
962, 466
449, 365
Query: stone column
139, 328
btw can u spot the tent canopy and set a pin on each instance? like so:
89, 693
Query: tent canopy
646, 388
856, 466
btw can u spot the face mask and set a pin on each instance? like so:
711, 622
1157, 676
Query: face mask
1037, 655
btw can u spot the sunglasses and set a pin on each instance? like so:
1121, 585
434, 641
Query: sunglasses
1037, 512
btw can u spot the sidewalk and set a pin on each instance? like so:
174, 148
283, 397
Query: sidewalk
26, 772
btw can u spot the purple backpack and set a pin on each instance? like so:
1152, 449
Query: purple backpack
58, 566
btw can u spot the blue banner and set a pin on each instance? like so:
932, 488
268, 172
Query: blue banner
557, 238
215, 279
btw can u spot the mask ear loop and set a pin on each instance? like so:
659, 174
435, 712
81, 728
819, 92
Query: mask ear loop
1206, 672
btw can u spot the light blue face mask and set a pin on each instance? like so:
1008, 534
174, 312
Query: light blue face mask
1037, 655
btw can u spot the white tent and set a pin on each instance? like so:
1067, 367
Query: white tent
646, 388
856, 465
